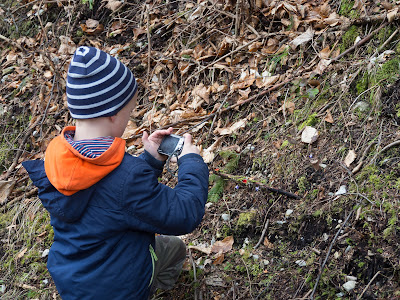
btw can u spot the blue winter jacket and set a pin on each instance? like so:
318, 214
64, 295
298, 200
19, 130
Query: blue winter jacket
104, 234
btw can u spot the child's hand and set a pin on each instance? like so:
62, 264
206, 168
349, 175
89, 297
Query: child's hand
188, 147
152, 142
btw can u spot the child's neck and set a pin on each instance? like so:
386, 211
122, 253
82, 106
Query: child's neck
92, 128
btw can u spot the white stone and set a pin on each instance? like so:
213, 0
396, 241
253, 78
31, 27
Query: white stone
309, 135
351, 278
341, 191
225, 217
2, 288
288, 212
45, 253
301, 263
349, 285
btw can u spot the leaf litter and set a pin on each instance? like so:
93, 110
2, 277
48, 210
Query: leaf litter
259, 75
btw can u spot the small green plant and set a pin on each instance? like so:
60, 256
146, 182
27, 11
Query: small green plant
232, 160
217, 190
91, 2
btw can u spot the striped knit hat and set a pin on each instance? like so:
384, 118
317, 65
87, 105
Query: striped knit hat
98, 85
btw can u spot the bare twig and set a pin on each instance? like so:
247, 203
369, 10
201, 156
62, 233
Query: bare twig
271, 189
395, 143
223, 57
358, 167
369, 283
32, 192
194, 273
248, 276
12, 43
262, 234
328, 253
148, 44
21, 150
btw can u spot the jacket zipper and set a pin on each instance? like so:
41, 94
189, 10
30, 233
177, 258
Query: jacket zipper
153, 262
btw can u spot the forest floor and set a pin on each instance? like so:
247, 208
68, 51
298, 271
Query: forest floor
295, 105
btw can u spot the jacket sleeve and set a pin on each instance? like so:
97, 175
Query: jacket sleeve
151, 206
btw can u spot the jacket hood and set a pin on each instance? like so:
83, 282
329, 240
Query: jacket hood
70, 172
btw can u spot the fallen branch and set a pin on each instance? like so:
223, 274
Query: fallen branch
358, 167
21, 149
360, 43
12, 43
374, 19
395, 143
262, 235
32, 192
369, 283
261, 185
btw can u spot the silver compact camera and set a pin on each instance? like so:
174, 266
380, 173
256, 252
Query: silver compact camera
171, 145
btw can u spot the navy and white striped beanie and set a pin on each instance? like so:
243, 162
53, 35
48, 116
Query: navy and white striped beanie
98, 85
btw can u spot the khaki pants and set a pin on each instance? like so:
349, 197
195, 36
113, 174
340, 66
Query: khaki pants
171, 254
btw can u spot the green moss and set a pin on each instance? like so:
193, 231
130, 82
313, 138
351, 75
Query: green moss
302, 184
388, 72
349, 37
285, 143
346, 9
246, 218
362, 84
312, 120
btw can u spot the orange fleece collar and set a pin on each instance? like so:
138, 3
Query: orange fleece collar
69, 171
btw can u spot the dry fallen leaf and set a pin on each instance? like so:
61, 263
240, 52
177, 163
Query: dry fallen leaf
5, 189
268, 244
113, 4
206, 250
92, 27
350, 157
329, 118
219, 258
21, 253
303, 38
223, 246
324, 53
233, 128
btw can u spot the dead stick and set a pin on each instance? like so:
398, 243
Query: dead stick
369, 283
271, 189
327, 255
16, 199
12, 43
360, 43
21, 150
262, 234
395, 143
223, 57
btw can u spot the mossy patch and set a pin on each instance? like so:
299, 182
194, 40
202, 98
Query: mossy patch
246, 218
388, 72
346, 9
349, 38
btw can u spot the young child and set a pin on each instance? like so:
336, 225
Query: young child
106, 205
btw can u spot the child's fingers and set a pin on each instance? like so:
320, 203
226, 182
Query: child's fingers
145, 137
188, 138
161, 133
